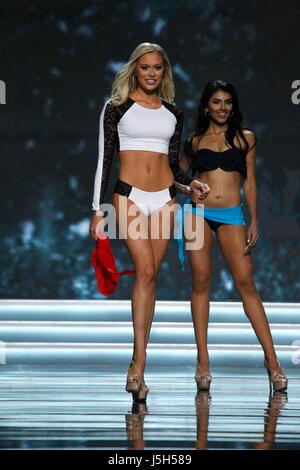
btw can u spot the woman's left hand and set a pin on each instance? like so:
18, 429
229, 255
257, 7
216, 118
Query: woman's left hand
252, 236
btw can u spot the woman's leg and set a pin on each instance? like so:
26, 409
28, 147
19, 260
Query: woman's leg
232, 242
161, 225
141, 253
147, 255
200, 261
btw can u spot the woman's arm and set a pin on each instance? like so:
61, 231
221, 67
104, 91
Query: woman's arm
185, 165
250, 191
182, 180
106, 145
202, 189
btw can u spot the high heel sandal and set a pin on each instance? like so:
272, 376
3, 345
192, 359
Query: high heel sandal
277, 379
135, 384
203, 380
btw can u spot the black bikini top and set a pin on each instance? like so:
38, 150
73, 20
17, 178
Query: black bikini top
206, 159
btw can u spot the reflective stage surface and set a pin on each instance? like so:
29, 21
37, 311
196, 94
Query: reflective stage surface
63, 368
84, 408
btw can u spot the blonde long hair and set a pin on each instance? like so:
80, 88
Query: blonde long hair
125, 82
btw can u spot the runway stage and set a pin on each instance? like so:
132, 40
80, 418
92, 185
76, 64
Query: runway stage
64, 367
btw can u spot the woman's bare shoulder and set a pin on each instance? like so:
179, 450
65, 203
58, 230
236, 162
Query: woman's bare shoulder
250, 136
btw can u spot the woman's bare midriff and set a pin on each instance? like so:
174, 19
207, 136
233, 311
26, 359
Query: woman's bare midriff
149, 171
224, 188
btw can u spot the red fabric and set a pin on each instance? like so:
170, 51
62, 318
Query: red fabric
106, 272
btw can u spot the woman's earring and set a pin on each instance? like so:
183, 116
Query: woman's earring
206, 113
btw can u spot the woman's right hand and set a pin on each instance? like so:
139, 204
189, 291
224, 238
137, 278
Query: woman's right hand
96, 224
199, 191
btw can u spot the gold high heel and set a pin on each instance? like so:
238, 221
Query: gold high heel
135, 384
143, 391
277, 379
203, 380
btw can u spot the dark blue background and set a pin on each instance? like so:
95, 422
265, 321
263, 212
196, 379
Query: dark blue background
58, 60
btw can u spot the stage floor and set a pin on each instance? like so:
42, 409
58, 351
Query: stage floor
52, 407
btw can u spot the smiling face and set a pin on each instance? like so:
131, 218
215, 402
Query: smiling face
220, 106
149, 71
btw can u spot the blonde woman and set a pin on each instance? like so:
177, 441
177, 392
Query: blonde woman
142, 119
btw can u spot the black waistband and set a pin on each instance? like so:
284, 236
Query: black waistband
124, 189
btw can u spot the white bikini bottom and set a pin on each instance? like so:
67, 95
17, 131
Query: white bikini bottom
147, 201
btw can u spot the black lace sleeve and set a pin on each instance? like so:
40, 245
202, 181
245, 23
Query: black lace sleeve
107, 140
188, 150
174, 149
188, 147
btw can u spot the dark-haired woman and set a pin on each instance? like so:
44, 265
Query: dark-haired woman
223, 153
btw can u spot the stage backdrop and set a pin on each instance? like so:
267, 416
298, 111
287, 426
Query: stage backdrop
58, 60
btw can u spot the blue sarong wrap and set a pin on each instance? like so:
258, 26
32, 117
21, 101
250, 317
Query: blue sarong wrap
226, 215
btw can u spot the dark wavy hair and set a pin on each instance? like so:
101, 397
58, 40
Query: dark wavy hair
234, 121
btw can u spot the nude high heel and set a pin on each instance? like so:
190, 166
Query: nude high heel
203, 380
277, 379
135, 384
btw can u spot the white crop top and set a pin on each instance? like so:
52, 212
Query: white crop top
131, 126
146, 129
